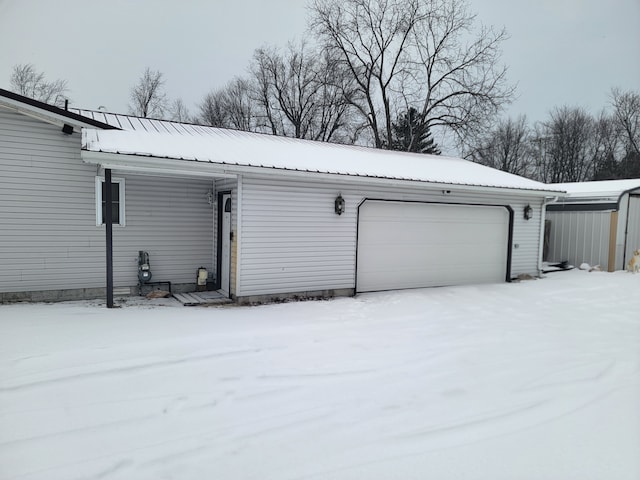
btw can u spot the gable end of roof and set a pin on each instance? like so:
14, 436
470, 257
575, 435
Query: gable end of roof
36, 105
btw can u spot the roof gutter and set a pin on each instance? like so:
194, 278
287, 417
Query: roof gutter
625, 192
150, 164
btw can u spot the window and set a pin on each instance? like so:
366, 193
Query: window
117, 185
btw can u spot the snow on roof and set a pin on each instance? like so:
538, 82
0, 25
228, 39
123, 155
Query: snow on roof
605, 189
237, 148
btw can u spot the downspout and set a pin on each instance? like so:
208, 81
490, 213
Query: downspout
543, 216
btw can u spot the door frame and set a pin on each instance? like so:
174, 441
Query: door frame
218, 285
625, 257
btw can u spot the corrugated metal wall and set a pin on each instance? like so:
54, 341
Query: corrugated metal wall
48, 234
292, 241
580, 237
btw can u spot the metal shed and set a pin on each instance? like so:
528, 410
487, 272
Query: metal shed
596, 223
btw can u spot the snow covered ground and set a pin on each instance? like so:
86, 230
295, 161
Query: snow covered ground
532, 380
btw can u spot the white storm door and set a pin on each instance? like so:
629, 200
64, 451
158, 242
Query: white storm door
225, 259
412, 245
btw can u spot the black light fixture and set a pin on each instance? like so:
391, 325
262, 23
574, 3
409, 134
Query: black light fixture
339, 205
67, 129
528, 212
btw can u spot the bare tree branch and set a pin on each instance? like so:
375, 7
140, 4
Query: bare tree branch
416, 52
147, 96
26, 80
627, 114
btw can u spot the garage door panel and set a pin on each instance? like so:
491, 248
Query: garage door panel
409, 245
431, 235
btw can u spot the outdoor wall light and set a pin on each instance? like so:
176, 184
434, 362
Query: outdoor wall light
528, 212
339, 205
67, 129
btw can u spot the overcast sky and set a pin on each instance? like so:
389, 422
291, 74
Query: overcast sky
560, 52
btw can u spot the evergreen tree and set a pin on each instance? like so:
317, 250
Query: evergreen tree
411, 134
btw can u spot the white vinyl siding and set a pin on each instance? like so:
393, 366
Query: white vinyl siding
171, 219
48, 234
292, 241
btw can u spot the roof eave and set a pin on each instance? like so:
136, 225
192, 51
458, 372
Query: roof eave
47, 113
192, 167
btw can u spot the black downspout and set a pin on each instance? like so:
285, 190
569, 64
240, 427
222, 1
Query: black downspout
108, 220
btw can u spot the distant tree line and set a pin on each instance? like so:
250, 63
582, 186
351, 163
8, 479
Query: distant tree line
386, 73
393, 74
571, 145
27, 81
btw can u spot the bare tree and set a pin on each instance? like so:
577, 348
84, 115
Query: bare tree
240, 105
178, 111
289, 87
626, 107
26, 80
335, 92
231, 106
413, 52
611, 149
568, 146
507, 147
300, 92
370, 38
148, 98
212, 109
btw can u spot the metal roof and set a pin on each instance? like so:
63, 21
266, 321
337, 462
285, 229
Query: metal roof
231, 148
604, 190
139, 124
144, 137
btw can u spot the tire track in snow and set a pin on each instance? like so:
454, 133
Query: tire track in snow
471, 421
127, 369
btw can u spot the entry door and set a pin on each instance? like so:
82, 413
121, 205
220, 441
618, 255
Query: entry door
413, 245
225, 257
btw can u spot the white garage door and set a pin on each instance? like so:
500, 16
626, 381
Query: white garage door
411, 245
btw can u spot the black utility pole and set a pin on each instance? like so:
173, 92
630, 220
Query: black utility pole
108, 220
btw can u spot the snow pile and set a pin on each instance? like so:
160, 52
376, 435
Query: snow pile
531, 380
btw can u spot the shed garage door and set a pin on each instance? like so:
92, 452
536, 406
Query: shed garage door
412, 245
